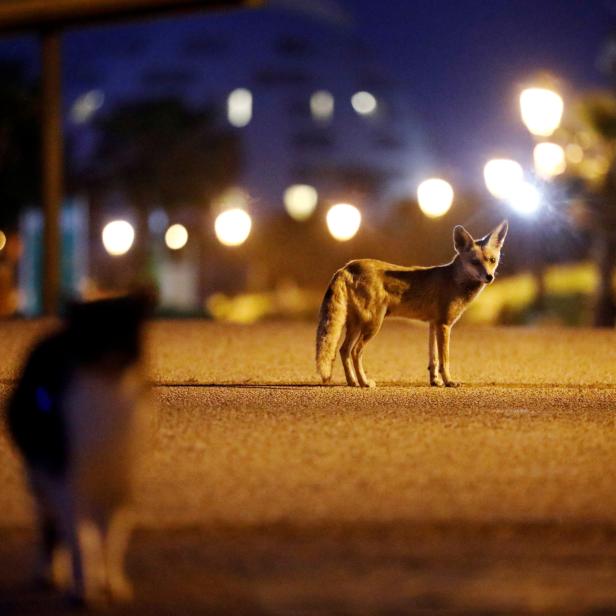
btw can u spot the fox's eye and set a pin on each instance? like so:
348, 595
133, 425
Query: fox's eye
492, 260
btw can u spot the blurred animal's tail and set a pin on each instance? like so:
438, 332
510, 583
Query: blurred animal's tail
332, 319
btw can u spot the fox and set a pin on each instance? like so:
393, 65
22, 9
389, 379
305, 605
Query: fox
365, 291
76, 417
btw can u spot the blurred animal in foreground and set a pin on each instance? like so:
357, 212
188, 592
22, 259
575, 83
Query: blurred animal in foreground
365, 291
75, 418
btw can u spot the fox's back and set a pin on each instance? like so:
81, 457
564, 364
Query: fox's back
414, 292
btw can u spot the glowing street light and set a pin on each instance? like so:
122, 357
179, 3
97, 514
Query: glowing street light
118, 237
300, 200
541, 110
2, 240
364, 103
502, 177
435, 197
549, 160
176, 237
322, 105
343, 221
525, 199
239, 107
233, 226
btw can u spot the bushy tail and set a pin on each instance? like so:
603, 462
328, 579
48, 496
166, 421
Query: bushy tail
332, 319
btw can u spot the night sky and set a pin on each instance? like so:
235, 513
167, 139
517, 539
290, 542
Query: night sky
452, 70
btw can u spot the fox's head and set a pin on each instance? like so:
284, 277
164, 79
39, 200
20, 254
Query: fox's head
480, 257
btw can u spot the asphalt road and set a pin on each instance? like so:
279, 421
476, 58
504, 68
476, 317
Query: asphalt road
266, 493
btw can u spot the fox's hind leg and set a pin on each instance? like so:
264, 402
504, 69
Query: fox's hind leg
369, 331
353, 332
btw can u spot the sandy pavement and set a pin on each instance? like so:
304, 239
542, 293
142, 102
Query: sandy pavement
263, 492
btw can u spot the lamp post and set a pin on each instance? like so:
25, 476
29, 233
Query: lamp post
435, 197
541, 110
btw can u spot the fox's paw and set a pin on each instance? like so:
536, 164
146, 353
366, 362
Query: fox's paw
436, 383
452, 384
369, 383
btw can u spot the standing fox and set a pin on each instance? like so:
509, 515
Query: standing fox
365, 291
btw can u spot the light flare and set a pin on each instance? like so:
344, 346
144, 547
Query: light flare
502, 177
549, 160
176, 237
233, 226
300, 201
435, 197
118, 237
541, 110
343, 221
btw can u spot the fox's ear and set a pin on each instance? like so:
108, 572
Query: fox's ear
498, 235
462, 239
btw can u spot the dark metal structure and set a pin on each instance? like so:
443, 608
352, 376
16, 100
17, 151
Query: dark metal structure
49, 18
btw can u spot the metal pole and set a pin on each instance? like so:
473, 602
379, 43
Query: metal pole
53, 165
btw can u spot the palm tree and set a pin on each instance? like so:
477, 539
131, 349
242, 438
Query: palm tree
590, 134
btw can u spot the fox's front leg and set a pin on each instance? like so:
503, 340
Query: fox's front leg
442, 343
435, 380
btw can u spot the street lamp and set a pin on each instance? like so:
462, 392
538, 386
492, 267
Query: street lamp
542, 110
435, 197
322, 105
233, 226
343, 221
176, 237
549, 160
502, 176
118, 237
300, 200
364, 103
239, 107
525, 199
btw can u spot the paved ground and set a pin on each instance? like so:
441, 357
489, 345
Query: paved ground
264, 493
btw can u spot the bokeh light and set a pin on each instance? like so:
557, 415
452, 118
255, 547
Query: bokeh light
502, 177
118, 237
525, 199
364, 103
300, 200
435, 197
176, 237
343, 221
2, 240
541, 110
239, 107
322, 105
549, 160
86, 106
574, 153
233, 226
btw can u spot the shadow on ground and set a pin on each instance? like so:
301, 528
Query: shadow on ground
396, 568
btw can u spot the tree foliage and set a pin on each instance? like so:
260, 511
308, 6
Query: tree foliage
164, 152
20, 175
